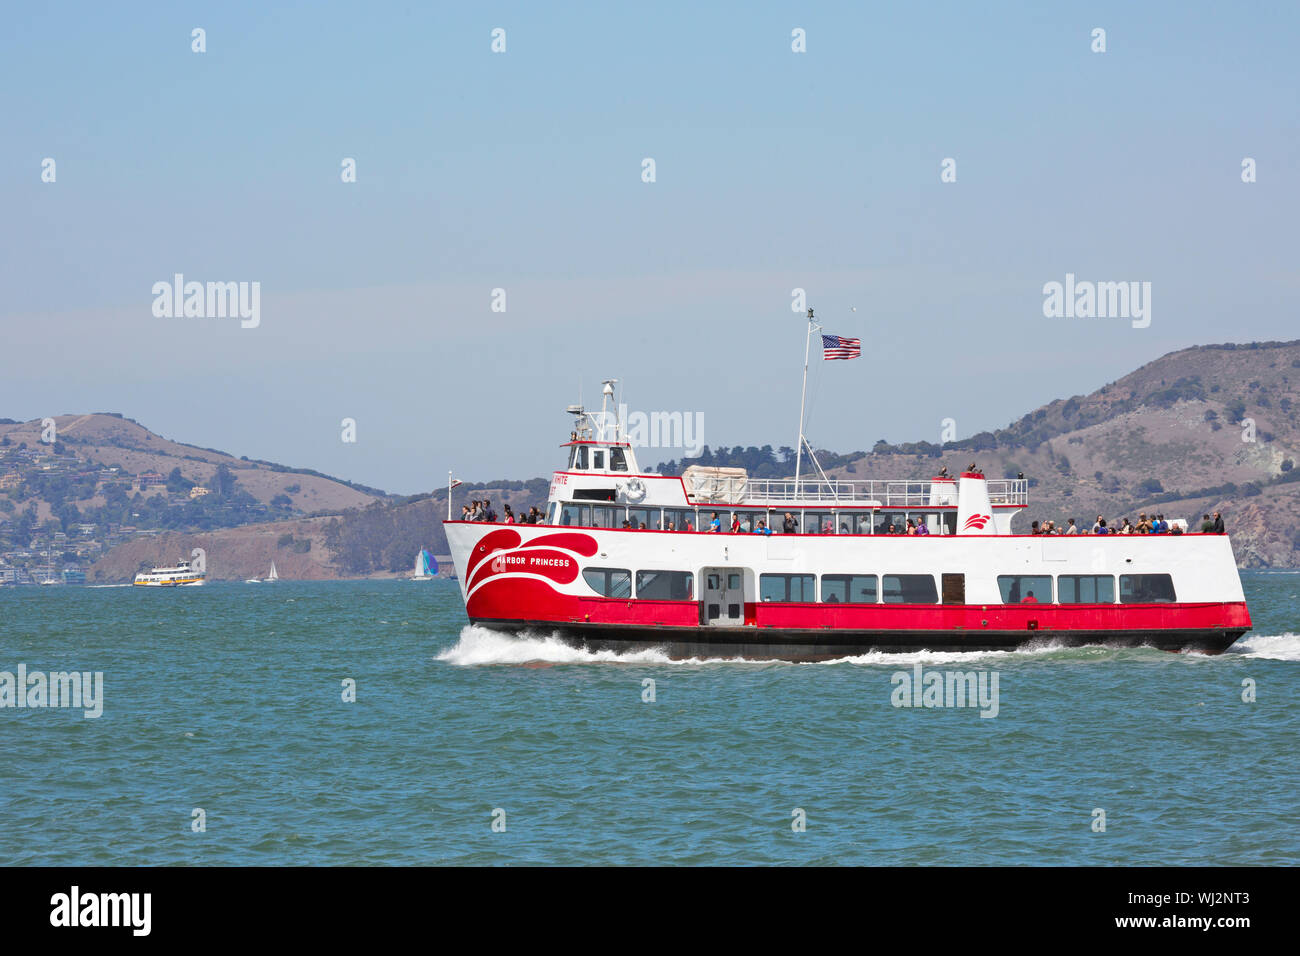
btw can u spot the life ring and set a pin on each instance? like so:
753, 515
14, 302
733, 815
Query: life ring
634, 489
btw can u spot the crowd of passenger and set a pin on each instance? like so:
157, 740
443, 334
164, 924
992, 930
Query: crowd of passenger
1155, 524
483, 511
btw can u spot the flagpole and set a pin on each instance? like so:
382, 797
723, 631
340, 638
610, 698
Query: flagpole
449, 487
803, 396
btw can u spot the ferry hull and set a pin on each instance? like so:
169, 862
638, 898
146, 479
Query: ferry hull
804, 645
538, 579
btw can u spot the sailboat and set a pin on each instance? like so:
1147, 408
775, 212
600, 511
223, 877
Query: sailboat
269, 579
426, 566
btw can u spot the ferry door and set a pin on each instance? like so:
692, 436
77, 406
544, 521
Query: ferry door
722, 598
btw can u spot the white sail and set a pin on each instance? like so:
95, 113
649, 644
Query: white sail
273, 576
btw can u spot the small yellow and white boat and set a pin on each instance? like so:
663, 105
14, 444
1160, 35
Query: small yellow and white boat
182, 575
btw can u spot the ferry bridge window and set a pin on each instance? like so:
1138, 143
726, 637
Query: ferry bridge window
1025, 588
617, 460
1085, 589
598, 460
552, 511
787, 587
576, 516
665, 585
580, 460
609, 582
910, 589
848, 589
1146, 589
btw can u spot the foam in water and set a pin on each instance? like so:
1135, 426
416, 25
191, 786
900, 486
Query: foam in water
1273, 647
481, 645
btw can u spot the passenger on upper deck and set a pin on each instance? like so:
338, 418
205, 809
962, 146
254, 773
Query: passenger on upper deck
1218, 523
791, 526
735, 523
1029, 598
1207, 526
715, 524
762, 527
1071, 527
922, 527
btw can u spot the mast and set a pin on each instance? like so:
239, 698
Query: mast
803, 395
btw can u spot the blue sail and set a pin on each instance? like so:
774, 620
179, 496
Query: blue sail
429, 562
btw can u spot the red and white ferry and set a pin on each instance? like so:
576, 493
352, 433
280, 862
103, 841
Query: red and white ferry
628, 560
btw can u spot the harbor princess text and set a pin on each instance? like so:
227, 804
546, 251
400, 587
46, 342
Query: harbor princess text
1098, 300
35, 689
208, 300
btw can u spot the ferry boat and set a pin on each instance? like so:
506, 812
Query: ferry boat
633, 560
181, 575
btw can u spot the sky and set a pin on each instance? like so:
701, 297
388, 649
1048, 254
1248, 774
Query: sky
523, 170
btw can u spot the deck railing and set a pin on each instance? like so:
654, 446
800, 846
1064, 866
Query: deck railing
816, 491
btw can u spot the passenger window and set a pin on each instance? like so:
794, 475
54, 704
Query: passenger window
609, 582
910, 589
848, 589
1085, 589
665, 585
1025, 588
1146, 589
787, 587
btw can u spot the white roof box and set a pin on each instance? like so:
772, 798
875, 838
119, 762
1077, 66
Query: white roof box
709, 483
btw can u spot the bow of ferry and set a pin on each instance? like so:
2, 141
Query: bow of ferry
838, 585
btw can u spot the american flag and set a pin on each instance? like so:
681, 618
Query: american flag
838, 347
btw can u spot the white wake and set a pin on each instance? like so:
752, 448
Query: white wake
1273, 647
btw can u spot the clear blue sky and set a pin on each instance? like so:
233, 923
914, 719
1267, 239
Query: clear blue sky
522, 170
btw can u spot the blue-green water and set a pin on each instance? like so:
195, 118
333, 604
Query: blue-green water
228, 698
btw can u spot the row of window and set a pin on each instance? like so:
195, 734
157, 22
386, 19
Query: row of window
1014, 588
650, 585
891, 588
578, 515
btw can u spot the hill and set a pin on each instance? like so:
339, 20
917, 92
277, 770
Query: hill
1201, 429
